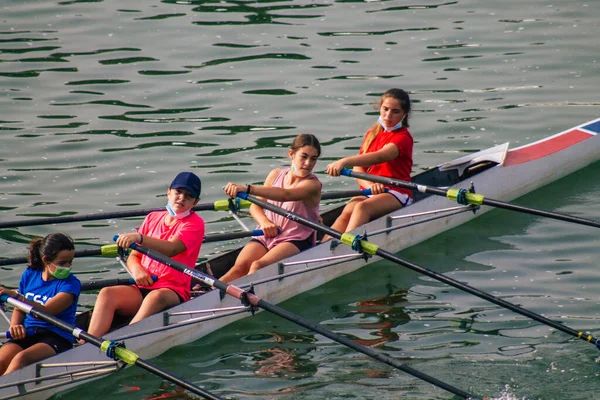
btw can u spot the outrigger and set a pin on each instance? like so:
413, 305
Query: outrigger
499, 173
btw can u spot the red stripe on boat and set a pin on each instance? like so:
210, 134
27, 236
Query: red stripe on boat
546, 147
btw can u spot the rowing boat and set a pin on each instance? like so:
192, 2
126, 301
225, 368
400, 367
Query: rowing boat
498, 172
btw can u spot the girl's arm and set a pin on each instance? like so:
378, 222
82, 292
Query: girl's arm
17, 317
267, 226
386, 153
170, 247
59, 303
308, 191
138, 272
16, 329
375, 187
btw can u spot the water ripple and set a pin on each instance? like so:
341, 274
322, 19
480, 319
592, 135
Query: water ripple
267, 56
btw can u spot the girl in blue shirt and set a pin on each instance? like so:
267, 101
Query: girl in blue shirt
48, 285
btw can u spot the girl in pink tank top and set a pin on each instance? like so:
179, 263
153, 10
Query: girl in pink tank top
295, 189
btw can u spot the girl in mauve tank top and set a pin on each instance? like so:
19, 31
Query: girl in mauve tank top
295, 189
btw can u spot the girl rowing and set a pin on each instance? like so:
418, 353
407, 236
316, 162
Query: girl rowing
295, 189
386, 150
176, 232
48, 285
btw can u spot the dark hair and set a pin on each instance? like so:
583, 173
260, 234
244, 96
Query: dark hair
48, 247
306, 139
403, 99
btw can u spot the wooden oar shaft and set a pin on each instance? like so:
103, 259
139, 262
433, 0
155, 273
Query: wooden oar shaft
373, 249
258, 302
120, 352
472, 198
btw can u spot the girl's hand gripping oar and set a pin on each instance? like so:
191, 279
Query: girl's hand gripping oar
7, 335
112, 349
463, 196
250, 299
357, 243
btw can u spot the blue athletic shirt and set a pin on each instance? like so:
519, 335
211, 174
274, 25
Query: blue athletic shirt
34, 288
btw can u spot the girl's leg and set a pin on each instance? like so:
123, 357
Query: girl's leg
342, 221
29, 356
251, 252
156, 301
279, 252
8, 351
126, 300
372, 208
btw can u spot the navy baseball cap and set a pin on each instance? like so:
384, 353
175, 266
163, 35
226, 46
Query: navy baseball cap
189, 181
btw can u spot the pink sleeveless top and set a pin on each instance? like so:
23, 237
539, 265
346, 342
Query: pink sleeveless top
290, 230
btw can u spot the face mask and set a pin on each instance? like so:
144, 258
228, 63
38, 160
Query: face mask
173, 214
295, 171
393, 128
60, 272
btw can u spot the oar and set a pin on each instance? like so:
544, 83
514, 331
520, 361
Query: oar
111, 348
359, 244
219, 205
248, 298
111, 250
216, 237
95, 285
463, 196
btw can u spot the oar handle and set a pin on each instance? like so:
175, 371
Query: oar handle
346, 172
95, 285
369, 192
7, 335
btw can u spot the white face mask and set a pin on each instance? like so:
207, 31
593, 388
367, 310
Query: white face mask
173, 214
295, 171
393, 128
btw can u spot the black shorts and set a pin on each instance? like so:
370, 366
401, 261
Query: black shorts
300, 244
146, 292
43, 335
